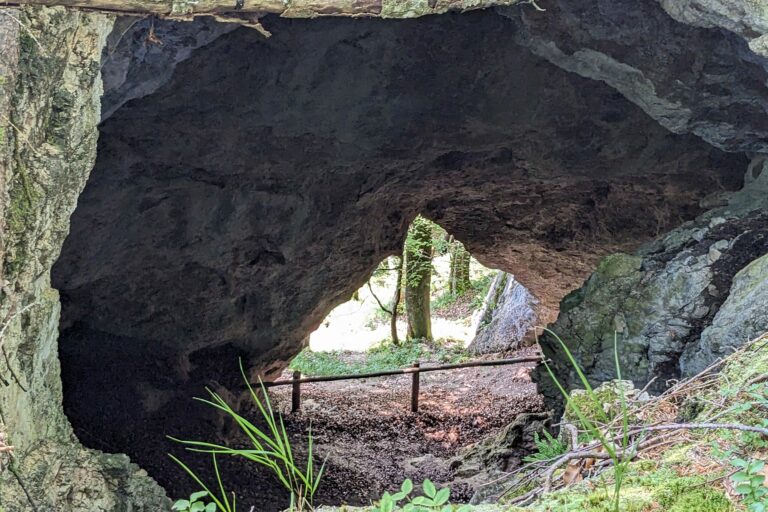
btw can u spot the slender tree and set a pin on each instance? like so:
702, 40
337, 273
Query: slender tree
396, 301
459, 281
418, 278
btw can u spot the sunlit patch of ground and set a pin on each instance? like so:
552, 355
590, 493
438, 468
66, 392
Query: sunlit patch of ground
356, 326
373, 441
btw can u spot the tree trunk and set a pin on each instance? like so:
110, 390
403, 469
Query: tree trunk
396, 302
459, 281
418, 279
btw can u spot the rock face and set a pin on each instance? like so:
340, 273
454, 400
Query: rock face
496, 456
676, 304
507, 318
748, 18
141, 54
690, 79
49, 104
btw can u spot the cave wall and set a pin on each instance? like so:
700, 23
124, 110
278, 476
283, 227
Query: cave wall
49, 105
258, 187
691, 79
676, 305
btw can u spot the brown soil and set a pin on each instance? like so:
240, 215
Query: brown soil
372, 441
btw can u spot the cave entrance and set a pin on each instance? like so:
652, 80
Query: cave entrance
475, 313
255, 184
471, 310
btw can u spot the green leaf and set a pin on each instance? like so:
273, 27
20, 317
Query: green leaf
740, 463
211, 507
741, 476
442, 496
422, 500
181, 505
197, 506
429, 488
407, 486
757, 507
197, 495
465, 508
743, 489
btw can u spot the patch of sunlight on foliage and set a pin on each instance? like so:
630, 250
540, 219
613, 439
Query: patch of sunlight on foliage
478, 290
645, 490
480, 287
383, 357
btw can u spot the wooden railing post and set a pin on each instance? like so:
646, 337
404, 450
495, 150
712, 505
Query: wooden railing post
296, 394
415, 388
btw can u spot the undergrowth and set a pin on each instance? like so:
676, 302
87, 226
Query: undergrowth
383, 357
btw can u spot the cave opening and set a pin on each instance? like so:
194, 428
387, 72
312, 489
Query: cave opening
254, 184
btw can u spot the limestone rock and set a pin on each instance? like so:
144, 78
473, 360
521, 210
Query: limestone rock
141, 54
488, 459
507, 318
672, 308
748, 18
689, 78
742, 317
49, 104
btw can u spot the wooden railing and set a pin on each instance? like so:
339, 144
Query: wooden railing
414, 370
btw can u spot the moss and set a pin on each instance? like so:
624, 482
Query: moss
701, 499
648, 486
404, 8
618, 265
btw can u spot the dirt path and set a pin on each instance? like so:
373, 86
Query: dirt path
373, 441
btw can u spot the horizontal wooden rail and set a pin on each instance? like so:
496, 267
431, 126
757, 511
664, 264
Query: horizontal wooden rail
405, 371
414, 370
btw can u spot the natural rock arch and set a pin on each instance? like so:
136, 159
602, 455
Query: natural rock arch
548, 233
229, 210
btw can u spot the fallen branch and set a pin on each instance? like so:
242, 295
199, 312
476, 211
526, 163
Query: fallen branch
709, 426
568, 457
758, 379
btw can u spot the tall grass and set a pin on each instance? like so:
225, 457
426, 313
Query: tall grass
620, 455
270, 447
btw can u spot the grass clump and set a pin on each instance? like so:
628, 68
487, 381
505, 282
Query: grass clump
269, 447
620, 454
383, 357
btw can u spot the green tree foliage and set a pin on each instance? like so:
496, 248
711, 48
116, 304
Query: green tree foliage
458, 280
418, 278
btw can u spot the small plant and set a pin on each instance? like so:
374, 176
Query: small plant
621, 455
271, 448
549, 448
433, 500
749, 482
195, 504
